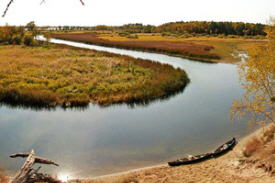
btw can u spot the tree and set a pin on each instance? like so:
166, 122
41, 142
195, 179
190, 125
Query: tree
30, 26
11, 1
33, 29
258, 76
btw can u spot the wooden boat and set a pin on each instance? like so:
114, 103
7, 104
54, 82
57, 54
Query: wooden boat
190, 160
225, 147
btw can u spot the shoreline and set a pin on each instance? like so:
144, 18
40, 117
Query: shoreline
226, 164
199, 57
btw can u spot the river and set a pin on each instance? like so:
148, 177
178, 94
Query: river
97, 141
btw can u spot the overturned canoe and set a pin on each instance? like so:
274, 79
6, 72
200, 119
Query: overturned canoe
193, 159
225, 147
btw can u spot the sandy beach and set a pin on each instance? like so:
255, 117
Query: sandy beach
226, 168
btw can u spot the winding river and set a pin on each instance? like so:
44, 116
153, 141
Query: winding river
97, 141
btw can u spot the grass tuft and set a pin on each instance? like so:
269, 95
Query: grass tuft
252, 146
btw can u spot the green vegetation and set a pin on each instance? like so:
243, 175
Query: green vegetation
222, 28
67, 76
17, 35
181, 28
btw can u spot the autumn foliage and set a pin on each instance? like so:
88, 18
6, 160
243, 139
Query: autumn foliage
257, 76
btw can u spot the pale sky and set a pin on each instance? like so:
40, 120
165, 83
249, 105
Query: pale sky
119, 12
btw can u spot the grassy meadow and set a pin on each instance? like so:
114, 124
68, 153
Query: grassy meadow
226, 47
203, 48
176, 48
67, 76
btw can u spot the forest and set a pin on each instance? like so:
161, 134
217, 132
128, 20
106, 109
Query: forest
196, 27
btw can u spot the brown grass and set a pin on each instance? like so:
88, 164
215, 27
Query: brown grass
189, 50
3, 178
68, 76
252, 146
260, 151
196, 48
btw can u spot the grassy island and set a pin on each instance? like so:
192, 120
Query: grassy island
67, 76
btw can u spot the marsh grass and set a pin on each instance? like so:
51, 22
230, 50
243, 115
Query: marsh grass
68, 76
212, 48
177, 48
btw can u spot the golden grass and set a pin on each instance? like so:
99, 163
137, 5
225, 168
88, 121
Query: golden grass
252, 146
260, 151
177, 48
62, 75
227, 48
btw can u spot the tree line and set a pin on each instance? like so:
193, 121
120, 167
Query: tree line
17, 35
13, 34
195, 27
200, 27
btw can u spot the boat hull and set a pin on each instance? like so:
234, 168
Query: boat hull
224, 148
186, 161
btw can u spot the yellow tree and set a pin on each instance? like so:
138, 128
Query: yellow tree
257, 77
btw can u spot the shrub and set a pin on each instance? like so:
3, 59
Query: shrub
123, 34
34, 43
17, 39
28, 39
4, 43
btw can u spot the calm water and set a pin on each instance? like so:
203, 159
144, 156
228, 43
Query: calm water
97, 141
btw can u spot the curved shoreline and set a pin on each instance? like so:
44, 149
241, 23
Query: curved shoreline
207, 58
227, 167
89, 76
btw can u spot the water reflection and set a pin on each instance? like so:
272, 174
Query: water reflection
25, 106
101, 140
147, 102
133, 104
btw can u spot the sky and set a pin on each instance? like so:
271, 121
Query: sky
119, 12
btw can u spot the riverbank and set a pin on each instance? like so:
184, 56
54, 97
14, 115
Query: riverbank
231, 167
59, 75
180, 49
205, 49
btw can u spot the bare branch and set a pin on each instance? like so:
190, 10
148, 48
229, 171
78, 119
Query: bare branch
37, 159
44, 161
43, 1
22, 155
7, 8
